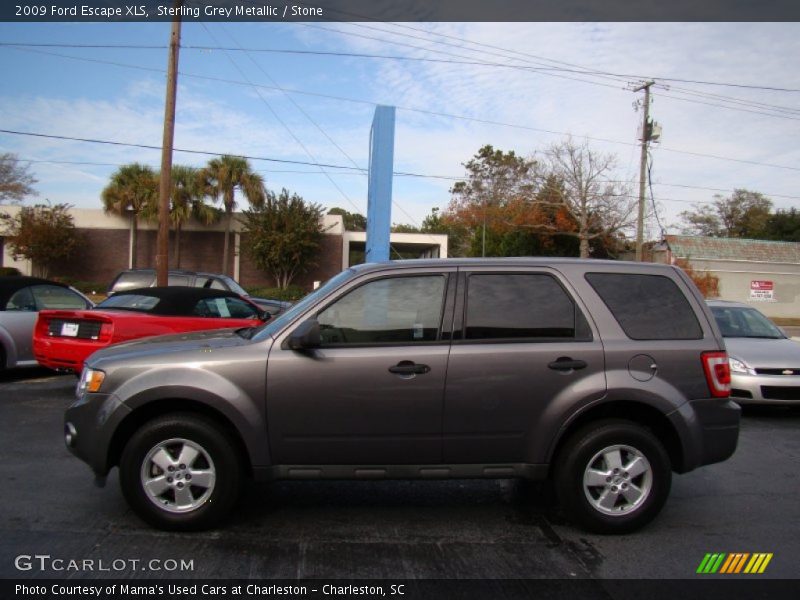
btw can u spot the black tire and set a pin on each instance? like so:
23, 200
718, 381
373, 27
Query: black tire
618, 511
216, 454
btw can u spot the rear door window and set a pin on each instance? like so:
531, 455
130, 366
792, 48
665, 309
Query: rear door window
647, 307
521, 306
56, 297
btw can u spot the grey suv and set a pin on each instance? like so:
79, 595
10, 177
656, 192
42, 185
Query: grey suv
604, 377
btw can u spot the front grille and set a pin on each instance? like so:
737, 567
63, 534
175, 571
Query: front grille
87, 330
794, 371
772, 392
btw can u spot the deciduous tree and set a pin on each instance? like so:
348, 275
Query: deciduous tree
16, 180
284, 235
352, 221
743, 214
784, 226
43, 234
479, 205
598, 204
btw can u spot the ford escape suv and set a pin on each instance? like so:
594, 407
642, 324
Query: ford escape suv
604, 377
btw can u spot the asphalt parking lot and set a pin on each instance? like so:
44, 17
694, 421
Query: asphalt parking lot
451, 529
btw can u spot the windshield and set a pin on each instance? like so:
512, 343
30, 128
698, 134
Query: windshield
739, 322
137, 302
271, 327
234, 287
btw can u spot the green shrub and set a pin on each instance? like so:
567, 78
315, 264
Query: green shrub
291, 293
8, 271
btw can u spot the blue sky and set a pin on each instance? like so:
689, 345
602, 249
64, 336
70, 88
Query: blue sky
56, 95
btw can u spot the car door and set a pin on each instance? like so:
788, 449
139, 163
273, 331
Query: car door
372, 393
18, 320
22, 309
521, 346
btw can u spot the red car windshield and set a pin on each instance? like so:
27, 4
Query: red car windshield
136, 302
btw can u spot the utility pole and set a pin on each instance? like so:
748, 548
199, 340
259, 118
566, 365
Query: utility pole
643, 167
165, 178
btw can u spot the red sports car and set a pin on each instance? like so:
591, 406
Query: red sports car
63, 339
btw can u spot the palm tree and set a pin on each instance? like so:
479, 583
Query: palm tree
221, 178
133, 189
187, 201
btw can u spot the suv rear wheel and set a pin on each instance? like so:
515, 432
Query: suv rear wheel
613, 476
180, 472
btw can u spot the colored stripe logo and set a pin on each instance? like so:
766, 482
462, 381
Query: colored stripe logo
734, 563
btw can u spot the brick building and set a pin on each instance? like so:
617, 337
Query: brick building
106, 249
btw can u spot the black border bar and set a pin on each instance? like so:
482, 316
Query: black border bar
700, 588
403, 10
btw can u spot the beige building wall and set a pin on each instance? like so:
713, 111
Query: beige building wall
736, 279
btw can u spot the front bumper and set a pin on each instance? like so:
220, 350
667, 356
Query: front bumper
89, 426
783, 390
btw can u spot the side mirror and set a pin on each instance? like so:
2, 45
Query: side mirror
265, 315
305, 337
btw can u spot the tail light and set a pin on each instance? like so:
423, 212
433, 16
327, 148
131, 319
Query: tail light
42, 325
718, 373
106, 330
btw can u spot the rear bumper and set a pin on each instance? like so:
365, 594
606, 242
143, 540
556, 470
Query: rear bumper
713, 431
62, 355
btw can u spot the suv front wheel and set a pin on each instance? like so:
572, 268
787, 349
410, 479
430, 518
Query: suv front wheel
613, 476
180, 472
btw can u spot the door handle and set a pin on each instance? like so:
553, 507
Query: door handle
565, 363
407, 367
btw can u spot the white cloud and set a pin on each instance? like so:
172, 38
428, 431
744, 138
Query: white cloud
234, 118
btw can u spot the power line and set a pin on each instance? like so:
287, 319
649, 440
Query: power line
319, 128
577, 70
776, 111
542, 69
411, 109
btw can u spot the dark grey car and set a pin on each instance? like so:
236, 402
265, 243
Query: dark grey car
603, 376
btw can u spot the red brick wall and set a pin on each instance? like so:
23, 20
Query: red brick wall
104, 252
328, 264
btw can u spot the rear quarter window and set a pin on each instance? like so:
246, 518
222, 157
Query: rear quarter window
647, 307
129, 281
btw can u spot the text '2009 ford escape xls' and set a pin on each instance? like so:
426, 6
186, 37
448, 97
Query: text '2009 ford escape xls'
603, 376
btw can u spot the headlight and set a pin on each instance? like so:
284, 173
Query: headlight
90, 382
739, 366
